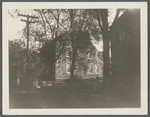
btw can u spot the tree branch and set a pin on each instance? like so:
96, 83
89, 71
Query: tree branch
52, 31
56, 19
43, 21
61, 50
85, 16
99, 22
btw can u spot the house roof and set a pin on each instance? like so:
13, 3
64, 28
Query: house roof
98, 45
128, 16
99, 58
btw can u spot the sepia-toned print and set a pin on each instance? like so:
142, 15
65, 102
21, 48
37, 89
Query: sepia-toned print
70, 58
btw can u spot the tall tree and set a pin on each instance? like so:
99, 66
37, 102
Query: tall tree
54, 24
80, 38
18, 62
102, 17
105, 32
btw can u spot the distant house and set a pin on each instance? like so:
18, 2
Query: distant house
91, 65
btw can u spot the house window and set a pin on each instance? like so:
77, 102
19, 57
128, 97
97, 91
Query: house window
89, 55
121, 34
68, 49
97, 70
67, 44
68, 68
67, 53
90, 68
44, 83
18, 81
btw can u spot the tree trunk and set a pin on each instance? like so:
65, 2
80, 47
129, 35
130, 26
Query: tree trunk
106, 71
51, 63
74, 51
53, 68
54, 57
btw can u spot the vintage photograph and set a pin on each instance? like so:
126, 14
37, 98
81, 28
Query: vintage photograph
74, 58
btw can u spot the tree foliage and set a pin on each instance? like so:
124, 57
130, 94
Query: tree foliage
17, 58
56, 27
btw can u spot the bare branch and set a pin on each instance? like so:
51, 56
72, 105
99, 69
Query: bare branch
117, 14
56, 20
48, 23
84, 17
43, 21
104, 16
61, 50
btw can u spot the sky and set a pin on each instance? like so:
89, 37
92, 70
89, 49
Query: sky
15, 26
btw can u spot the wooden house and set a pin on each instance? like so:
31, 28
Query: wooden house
125, 45
125, 55
89, 65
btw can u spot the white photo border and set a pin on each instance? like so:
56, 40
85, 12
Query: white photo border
84, 111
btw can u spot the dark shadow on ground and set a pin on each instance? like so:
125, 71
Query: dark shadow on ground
75, 96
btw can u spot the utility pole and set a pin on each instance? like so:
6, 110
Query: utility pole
27, 23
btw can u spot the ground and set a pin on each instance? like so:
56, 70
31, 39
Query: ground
61, 98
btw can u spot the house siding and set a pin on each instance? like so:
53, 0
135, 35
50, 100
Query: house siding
125, 34
62, 74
